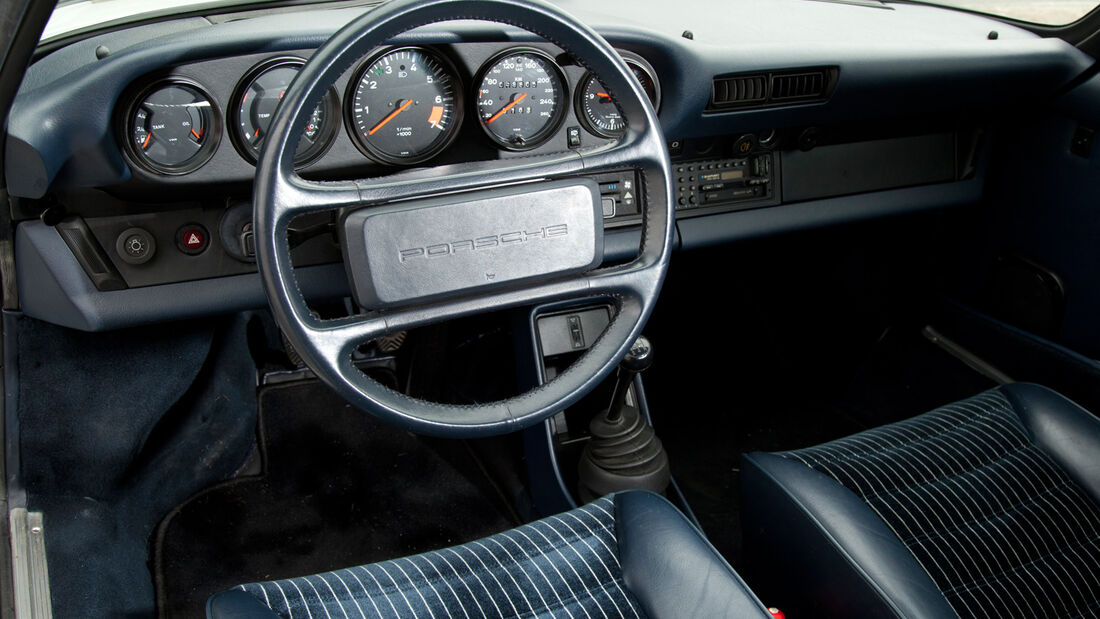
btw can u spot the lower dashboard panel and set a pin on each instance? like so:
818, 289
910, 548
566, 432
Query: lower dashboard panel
54, 287
748, 224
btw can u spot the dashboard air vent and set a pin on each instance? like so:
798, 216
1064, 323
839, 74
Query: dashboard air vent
737, 90
809, 85
755, 90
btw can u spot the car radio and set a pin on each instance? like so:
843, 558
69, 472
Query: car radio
726, 184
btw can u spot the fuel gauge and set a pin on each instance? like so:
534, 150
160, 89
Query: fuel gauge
173, 127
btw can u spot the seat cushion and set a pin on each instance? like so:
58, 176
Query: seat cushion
570, 565
991, 498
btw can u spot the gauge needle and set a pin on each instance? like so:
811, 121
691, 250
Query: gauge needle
145, 142
506, 108
198, 136
387, 119
603, 95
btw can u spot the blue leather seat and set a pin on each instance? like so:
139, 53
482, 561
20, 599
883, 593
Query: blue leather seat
985, 507
630, 554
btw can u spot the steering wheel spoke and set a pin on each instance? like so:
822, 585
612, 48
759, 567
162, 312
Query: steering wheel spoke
293, 196
626, 281
335, 339
633, 150
420, 183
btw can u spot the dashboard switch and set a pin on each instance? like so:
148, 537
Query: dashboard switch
744, 144
135, 246
608, 205
574, 137
192, 239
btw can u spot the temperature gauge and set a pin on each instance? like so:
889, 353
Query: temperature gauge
256, 98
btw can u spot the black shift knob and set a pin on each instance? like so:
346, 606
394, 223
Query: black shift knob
639, 357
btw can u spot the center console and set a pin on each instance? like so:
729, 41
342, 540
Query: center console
564, 470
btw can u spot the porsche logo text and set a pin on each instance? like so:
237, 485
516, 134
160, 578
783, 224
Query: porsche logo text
481, 243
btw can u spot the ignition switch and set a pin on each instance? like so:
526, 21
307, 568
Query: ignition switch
235, 231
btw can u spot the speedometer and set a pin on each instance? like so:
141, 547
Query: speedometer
403, 105
521, 98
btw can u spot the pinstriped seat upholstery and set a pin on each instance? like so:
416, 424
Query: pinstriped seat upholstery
564, 565
631, 554
995, 521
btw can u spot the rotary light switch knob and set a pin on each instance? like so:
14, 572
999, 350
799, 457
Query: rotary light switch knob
135, 246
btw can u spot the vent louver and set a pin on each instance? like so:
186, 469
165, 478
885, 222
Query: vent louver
798, 86
752, 90
737, 90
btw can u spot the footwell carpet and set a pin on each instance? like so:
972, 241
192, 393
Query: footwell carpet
338, 489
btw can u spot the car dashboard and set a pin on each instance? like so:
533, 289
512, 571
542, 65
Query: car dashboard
131, 152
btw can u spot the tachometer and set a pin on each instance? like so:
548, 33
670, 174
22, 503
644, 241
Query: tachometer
595, 107
254, 105
521, 98
403, 105
173, 127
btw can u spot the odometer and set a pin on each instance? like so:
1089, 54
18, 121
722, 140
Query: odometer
521, 98
403, 107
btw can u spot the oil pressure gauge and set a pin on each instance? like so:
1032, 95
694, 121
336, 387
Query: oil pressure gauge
254, 105
173, 127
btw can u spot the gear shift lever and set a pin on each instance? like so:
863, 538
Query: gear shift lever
623, 452
637, 360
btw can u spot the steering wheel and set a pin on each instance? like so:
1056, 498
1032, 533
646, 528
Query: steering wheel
420, 199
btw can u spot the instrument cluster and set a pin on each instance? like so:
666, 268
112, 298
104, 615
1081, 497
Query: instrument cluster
402, 106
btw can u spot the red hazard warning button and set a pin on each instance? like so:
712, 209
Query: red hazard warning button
191, 239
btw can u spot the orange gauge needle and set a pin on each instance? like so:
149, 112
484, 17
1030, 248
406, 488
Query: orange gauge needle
604, 95
387, 119
198, 136
145, 142
506, 108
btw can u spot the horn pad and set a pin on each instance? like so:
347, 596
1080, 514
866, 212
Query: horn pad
429, 249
